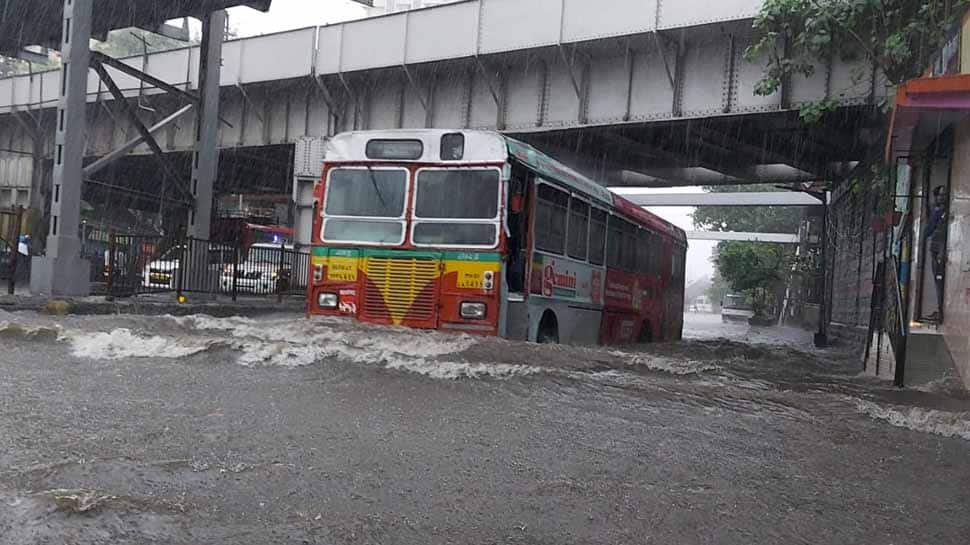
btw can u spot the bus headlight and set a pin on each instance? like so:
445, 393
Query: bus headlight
473, 311
327, 300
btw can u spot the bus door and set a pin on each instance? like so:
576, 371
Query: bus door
519, 217
518, 250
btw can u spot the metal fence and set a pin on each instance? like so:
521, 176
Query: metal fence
888, 319
894, 320
150, 264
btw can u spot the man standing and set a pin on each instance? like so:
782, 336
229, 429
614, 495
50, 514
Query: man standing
936, 236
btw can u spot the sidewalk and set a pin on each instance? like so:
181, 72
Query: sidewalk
150, 305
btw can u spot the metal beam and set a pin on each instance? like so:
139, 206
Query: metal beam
62, 272
775, 238
141, 76
773, 198
143, 131
690, 176
149, 79
205, 160
103, 162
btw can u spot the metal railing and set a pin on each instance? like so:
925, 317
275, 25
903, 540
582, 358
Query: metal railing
894, 320
148, 264
888, 319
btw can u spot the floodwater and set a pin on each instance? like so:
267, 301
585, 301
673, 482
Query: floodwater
129, 429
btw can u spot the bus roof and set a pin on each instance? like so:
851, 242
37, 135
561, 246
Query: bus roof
480, 146
492, 147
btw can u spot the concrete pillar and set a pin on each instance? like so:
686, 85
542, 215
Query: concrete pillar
61, 271
205, 160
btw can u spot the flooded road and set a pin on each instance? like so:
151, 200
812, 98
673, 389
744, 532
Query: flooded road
128, 429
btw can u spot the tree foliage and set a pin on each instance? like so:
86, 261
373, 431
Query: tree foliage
127, 42
899, 36
135, 41
753, 268
750, 265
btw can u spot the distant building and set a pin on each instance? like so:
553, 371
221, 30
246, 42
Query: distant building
391, 6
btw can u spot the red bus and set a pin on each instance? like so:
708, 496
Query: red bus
475, 232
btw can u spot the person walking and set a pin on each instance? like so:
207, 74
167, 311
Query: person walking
936, 237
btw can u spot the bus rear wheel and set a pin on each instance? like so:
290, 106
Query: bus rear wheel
548, 329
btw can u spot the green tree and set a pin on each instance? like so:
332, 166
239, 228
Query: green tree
717, 290
900, 37
134, 41
755, 269
747, 266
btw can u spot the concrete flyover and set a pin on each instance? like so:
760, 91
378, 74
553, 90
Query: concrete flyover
734, 236
634, 92
756, 198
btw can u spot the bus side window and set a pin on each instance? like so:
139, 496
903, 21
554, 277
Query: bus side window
551, 209
597, 237
628, 259
656, 250
614, 243
644, 255
577, 244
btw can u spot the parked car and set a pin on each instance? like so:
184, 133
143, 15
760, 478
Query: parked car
735, 307
264, 266
161, 273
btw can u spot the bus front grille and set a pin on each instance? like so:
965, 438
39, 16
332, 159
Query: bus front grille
399, 288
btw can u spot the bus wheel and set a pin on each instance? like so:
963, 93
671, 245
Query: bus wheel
646, 336
548, 329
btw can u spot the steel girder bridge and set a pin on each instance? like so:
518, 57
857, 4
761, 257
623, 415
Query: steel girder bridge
633, 92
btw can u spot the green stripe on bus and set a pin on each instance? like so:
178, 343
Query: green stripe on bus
488, 257
483, 257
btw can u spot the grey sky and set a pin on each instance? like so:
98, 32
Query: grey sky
291, 14
699, 254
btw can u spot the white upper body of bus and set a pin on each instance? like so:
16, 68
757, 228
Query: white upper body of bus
447, 147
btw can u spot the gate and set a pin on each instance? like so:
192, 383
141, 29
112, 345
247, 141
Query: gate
11, 227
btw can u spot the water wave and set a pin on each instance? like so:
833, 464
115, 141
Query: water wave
13, 330
123, 343
285, 343
943, 423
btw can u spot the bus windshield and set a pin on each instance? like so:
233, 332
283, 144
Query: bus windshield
377, 194
457, 207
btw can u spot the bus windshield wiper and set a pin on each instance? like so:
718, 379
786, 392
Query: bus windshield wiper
377, 189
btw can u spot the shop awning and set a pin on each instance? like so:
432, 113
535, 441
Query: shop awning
924, 108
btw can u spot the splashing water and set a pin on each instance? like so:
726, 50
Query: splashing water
943, 423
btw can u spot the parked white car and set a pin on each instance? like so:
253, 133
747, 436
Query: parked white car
261, 269
736, 308
161, 273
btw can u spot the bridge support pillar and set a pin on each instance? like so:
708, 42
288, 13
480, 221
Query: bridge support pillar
205, 160
62, 272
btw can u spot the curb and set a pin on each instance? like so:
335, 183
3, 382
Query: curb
63, 307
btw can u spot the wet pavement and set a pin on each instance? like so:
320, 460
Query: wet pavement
186, 430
